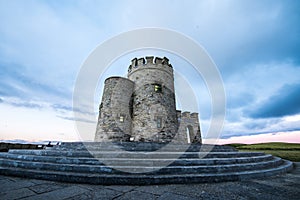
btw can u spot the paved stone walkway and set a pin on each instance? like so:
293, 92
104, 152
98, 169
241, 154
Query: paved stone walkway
278, 187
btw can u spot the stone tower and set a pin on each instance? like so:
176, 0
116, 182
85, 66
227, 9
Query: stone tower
154, 108
114, 121
142, 107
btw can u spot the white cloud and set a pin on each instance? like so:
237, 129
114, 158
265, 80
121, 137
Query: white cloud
34, 124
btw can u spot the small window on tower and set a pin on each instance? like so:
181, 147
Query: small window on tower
122, 118
157, 88
159, 122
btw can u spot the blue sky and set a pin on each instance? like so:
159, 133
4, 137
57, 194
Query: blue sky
255, 45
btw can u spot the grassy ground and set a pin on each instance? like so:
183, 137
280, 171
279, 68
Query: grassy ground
289, 151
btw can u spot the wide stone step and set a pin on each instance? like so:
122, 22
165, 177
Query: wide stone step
144, 155
57, 153
154, 169
173, 155
138, 161
142, 146
172, 148
138, 179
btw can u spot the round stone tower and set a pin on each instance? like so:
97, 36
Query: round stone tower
115, 110
154, 108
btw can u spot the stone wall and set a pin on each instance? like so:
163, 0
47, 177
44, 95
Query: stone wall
188, 127
115, 110
153, 100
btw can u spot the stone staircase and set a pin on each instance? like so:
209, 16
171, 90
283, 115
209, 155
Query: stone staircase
140, 163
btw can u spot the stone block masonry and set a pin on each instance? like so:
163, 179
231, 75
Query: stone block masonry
114, 121
142, 107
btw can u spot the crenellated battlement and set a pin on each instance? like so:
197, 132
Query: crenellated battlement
150, 62
115, 78
194, 115
187, 114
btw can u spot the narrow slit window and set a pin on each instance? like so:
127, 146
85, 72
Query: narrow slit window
157, 88
159, 122
122, 118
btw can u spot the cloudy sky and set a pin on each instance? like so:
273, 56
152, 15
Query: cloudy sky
254, 44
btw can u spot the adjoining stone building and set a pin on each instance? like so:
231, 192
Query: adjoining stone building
142, 107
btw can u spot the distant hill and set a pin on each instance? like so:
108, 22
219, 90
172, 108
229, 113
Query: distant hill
268, 146
289, 151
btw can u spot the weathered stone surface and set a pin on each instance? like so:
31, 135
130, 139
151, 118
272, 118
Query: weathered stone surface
171, 196
188, 128
277, 187
103, 193
143, 108
64, 193
115, 105
7, 184
16, 194
45, 187
144, 167
153, 189
151, 104
123, 188
136, 195
149, 107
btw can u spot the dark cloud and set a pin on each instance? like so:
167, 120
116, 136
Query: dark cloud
237, 100
260, 124
274, 132
285, 102
60, 107
25, 104
274, 37
1, 100
230, 134
255, 125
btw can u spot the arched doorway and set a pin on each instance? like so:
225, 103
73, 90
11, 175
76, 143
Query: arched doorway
189, 133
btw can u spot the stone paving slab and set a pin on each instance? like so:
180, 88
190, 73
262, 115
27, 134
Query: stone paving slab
8, 185
285, 186
42, 188
123, 188
172, 196
63, 193
137, 195
153, 189
17, 194
101, 193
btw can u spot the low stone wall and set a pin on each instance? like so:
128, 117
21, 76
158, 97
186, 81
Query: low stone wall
4, 147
